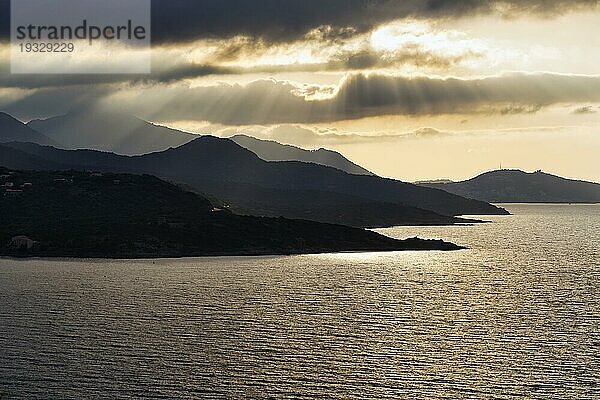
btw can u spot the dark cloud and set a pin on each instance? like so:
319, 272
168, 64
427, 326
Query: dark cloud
183, 20
584, 110
267, 102
343, 61
513, 109
362, 96
47, 102
4, 20
408, 55
166, 70
275, 20
280, 20
160, 74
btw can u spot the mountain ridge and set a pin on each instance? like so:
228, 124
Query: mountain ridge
11, 129
227, 171
517, 186
115, 132
270, 150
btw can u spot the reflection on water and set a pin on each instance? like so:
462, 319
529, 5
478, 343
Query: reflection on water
515, 316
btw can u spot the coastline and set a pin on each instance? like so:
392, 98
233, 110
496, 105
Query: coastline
410, 244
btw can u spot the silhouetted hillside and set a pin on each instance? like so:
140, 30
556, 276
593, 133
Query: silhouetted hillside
13, 130
514, 186
90, 214
227, 171
329, 207
272, 151
118, 133
16, 159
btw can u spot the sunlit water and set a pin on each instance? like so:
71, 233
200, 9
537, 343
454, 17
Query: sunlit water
515, 316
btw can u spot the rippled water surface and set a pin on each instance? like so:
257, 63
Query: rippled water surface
515, 316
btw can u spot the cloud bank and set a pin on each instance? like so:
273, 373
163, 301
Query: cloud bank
184, 20
175, 21
270, 101
360, 96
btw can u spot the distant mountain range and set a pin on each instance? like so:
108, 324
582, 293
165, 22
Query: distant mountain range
11, 130
272, 151
292, 189
127, 135
515, 186
114, 132
85, 214
321, 186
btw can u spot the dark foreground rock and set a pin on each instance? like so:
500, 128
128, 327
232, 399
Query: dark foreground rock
104, 215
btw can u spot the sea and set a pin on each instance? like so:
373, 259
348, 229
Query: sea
515, 316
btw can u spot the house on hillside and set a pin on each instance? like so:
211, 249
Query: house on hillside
22, 243
12, 192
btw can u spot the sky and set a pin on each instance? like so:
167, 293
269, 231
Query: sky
412, 89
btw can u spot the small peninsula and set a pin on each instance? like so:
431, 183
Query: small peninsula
87, 214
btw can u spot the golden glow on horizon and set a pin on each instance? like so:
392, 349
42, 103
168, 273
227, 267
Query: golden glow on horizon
556, 140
